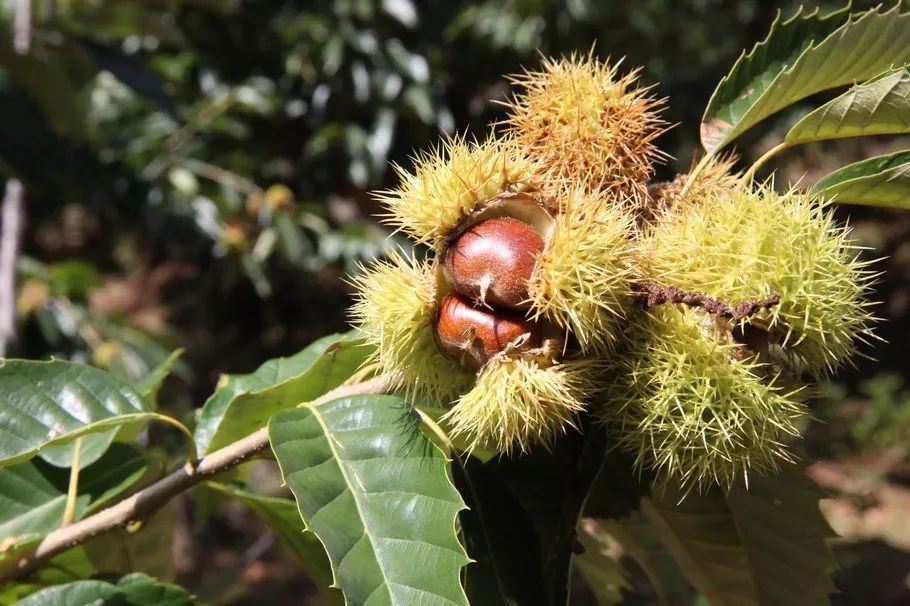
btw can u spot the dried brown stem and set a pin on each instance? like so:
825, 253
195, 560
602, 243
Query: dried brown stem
649, 294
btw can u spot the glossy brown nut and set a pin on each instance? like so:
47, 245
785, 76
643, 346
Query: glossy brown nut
472, 335
493, 260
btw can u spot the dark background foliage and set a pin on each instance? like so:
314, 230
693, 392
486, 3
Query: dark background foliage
197, 175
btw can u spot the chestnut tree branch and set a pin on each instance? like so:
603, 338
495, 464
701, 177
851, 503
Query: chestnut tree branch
150, 499
649, 293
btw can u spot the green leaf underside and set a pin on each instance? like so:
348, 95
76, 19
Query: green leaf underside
802, 56
282, 517
878, 181
375, 492
131, 590
33, 496
244, 403
878, 107
764, 545
44, 405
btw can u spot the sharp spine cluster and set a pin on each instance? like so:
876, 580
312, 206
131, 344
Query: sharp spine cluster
529, 309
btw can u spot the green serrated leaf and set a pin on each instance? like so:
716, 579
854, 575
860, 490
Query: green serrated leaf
376, 493
878, 181
243, 403
46, 405
802, 56
131, 590
33, 495
149, 385
283, 519
764, 545
877, 107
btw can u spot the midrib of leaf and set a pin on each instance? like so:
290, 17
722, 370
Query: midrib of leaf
735, 86
828, 121
810, 71
342, 467
97, 426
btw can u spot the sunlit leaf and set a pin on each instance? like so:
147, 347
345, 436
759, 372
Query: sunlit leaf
149, 385
243, 403
879, 107
878, 181
376, 492
802, 56
46, 405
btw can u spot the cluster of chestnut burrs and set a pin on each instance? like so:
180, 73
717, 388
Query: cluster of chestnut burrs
550, 280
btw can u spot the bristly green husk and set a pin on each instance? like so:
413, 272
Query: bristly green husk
740, 244
688, 402
396, 311
675, 196
518, 402
449, 181
586, 125
581, 280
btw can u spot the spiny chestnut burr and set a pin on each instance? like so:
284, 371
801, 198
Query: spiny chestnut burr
492, 261
472, 335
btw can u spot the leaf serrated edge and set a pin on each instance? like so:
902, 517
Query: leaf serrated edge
791, 138
329, 439
745, 57
352, 338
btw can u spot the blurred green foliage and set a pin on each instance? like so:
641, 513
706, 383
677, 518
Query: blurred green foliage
197, 172
207, 163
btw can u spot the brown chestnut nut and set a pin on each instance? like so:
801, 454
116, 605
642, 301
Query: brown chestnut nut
472, 335
492, 261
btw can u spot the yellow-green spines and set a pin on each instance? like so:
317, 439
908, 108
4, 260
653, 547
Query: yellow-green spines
581, 280
448, 182
692, 404
518, 402
586, 124
675, 196
738, 244
396, 311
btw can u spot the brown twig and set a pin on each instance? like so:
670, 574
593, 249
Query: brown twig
649, 294
150, 499
12, 219
22, 26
